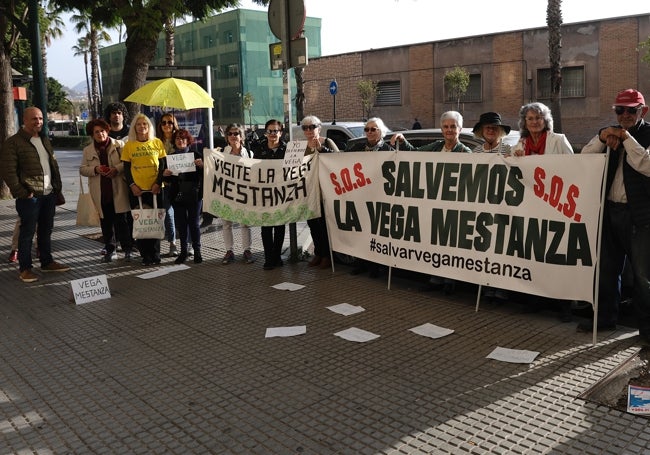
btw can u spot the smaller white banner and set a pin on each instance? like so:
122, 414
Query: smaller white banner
90, 289
179, 163
295, 153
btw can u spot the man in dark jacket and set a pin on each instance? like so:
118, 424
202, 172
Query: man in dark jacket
626, 219
32, 174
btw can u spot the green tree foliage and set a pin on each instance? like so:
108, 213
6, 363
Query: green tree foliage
456, 83
248, 103
56, 97
368, 91
645, 45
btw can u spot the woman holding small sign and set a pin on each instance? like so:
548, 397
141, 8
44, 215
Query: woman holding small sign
317, 144
184, 178
101, 163
165, 131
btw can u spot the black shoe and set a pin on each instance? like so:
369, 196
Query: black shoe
156, 260
268, 266
197, 257
588, 326
147, 261
181, 258
279, 263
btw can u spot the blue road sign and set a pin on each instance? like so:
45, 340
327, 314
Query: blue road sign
333, 88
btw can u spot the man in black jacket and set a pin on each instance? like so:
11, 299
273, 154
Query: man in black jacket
626, 221
32, 174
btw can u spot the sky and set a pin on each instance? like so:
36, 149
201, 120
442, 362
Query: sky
357, 25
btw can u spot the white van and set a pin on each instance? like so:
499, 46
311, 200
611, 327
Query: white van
339, 132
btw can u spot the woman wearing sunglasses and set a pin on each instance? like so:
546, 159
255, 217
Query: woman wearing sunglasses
272, 147
537, 136
375, 130
165, 130
235, 136
318, 144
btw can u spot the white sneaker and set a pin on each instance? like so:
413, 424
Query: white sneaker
173, 251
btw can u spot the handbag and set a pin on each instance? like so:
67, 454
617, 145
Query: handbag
148, 223
87, 214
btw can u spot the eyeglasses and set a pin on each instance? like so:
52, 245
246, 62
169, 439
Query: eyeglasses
309, 127
372, 128
620, 110
272, 131
181, 139
167, 122
233, 133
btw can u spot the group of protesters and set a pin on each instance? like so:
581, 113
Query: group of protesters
126, 166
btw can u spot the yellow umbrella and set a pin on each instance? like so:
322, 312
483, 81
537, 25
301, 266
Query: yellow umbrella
172, 93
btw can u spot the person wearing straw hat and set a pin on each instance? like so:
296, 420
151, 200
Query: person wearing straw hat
491, 129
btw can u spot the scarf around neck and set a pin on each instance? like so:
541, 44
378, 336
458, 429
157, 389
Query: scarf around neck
535, 149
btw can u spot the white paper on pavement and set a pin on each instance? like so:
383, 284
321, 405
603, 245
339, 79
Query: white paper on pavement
163, 271
431, 330
346, 309
286, 331
358, 335
286, 286
513, 355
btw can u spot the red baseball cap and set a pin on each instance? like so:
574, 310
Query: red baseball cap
629, 98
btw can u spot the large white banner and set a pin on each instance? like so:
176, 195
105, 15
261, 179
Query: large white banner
259, 192
529, 224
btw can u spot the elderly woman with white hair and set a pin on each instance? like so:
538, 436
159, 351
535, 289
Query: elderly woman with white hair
451, 124
316, 143
375, 130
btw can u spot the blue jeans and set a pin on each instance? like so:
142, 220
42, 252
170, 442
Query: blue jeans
36, 215
622, 239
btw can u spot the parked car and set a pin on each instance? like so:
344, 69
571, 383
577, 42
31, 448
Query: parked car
422, 137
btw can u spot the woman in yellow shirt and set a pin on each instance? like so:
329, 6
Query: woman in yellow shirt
144, 161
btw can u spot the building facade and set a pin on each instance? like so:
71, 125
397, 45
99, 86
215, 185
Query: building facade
507, 70
235, 45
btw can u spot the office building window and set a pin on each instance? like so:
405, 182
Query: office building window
228, 37
232, 71
573, 82
389, 93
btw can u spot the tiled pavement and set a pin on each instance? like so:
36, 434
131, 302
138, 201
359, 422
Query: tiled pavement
180, 364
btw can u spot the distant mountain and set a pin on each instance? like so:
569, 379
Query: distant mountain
78, 92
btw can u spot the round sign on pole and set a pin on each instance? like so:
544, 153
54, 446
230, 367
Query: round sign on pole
295, 15
334, 87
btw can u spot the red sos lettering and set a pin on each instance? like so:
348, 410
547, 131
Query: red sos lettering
556, 197
349, 179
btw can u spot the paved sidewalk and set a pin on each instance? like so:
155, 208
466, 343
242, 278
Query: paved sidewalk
179, 364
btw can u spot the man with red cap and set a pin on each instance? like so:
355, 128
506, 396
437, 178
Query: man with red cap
626, 218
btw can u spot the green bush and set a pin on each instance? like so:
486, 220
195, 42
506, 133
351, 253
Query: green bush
70, 142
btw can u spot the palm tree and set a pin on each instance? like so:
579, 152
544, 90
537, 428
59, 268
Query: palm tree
554, 22
51, 26
83, 48
170, 45
95, 35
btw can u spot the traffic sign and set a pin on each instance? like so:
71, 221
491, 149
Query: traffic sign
334, 87
294, 15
